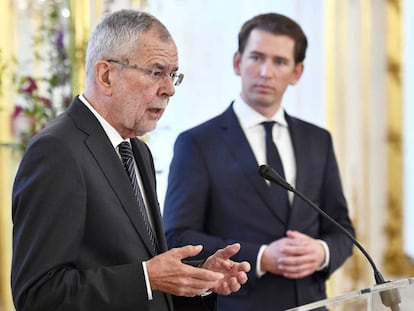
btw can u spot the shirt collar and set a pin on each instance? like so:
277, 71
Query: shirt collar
249, 117
110, 131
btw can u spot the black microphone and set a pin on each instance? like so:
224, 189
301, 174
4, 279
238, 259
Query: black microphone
390, 298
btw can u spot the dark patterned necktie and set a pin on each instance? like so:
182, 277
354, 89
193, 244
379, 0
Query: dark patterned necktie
128, 160
279, 194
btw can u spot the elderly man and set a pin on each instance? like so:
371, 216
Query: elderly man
87, 229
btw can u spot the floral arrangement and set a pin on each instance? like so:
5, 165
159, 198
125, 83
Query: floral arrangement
41, 97
34, 113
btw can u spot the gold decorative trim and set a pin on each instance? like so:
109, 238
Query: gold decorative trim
336, 34
80, 29
396, 261
7, 40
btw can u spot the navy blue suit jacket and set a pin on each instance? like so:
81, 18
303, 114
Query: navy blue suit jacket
215, 196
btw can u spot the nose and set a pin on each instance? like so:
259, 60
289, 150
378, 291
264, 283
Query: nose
265, 69
167, 87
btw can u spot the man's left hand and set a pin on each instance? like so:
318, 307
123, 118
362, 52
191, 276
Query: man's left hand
235, 273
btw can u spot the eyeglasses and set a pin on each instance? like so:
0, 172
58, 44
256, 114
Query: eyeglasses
176, 77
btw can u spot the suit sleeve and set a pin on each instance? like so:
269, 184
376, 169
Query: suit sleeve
188, 203
49, 215
333, 202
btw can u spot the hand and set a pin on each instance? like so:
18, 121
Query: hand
271, 255
235, 274
295, 256
168, 274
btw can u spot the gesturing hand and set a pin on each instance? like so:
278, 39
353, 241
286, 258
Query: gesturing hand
168, 274
235, 273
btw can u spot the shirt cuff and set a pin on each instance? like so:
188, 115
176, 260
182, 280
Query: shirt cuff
147, 283
259, 271
327, 255
206, 293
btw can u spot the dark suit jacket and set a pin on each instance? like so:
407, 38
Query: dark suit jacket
215, 196
78, 237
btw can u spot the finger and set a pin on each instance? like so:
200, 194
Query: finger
200, 285
240, 269
298, 236
298, 268
187, 251
192, 288
196, 283
242, 277
291, 261
244, 266
223, 289
228, 251
293, 233
296, 249
227, 288
234, 285
298, 274
204, 274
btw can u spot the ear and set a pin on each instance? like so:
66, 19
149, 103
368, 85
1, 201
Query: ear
103, 75
297, 73
236, 62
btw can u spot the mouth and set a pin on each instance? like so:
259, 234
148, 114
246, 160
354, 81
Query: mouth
155, 113
155, 110
263, 88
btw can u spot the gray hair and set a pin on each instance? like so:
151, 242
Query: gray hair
117, 36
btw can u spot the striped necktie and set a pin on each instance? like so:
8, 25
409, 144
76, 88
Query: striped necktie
128, 160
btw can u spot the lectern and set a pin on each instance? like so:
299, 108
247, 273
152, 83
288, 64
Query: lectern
369, 299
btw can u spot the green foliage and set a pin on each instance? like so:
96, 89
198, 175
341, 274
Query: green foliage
42, 97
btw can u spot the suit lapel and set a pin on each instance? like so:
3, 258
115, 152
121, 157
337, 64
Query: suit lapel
99, 145
239, 147
300, 148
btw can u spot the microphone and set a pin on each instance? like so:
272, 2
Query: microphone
390, 298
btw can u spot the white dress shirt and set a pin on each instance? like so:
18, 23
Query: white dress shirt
250, 121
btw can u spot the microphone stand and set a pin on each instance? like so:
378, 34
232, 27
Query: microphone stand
390, 298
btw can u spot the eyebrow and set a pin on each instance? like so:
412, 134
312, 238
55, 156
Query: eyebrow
163, 67
272, 56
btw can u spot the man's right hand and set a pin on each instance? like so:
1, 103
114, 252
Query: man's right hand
294, 256
167, 273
